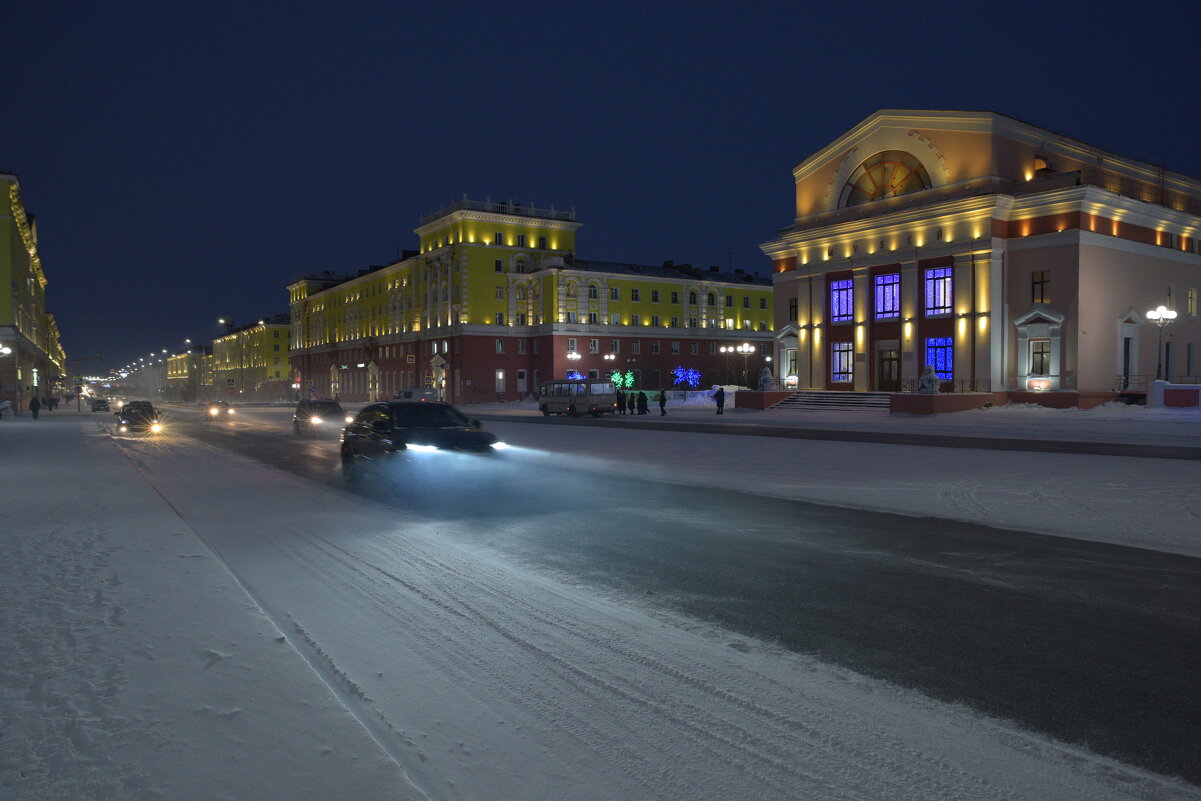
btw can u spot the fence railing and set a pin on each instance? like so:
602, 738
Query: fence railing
957, 386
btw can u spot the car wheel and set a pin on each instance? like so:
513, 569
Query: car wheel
352, 472
545, 411
571, 412
595, 413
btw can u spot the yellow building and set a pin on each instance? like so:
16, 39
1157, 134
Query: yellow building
250, 363
190, 374
32, 361
494, 301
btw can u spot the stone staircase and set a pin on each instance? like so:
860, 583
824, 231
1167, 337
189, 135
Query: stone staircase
818, 399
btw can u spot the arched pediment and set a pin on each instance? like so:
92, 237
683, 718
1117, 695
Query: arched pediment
1040, 314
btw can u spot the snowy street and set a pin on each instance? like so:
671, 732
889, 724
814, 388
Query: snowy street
184, 620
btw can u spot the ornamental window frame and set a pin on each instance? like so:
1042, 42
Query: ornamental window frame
842, 362
887, 296
938, 291
842, 300
940, 354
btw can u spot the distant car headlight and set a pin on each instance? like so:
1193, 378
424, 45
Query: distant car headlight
350, 418
422, 448
122, 428
155, 427
213, 412
315, 420
499, 446
231, 411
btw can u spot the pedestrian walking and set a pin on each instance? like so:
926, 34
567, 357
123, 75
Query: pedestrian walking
621, 402
631, 399
642, 404
662, 403
719, 398
34, 406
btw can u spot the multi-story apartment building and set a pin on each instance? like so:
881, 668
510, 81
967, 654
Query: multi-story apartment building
250, 363
494, 302
190, 374
1009, 258
32, 361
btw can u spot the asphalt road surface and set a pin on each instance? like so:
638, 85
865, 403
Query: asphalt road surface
1093, 644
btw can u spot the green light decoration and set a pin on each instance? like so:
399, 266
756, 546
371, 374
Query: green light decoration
629, 379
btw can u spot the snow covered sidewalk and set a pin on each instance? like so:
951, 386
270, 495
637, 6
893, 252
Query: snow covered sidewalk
134, 665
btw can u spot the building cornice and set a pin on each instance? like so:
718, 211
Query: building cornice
467, 215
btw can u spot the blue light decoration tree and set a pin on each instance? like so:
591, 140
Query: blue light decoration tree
687, 375
574, 375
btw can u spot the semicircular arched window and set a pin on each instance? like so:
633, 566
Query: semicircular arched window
886, 174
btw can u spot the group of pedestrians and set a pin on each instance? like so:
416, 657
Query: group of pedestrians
637, 402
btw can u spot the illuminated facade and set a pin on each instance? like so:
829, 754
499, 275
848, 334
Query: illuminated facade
250, 363
190, 375
35, 363
1010, 258
494, 301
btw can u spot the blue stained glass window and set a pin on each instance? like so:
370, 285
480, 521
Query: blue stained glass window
842, 355
842, 301
888, 296
940, 352
938, 291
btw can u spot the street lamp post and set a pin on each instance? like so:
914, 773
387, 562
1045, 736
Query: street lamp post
746, 349
574, 358
1160, 316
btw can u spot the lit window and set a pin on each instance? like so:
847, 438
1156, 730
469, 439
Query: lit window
940, 353
938, 291
571, 345
500, 346
842, 357
1040, 286
842, 301
1040, 357
1191, 304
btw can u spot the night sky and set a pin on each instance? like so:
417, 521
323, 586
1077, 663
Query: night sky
188, 161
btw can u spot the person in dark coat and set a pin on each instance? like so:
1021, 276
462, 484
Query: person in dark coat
631, 399
34, 406
719, 398
621, 402
662, 403
642, 403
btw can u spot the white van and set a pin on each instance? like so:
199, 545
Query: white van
574, 397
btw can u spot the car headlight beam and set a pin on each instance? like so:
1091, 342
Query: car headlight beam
499, 446
421, 448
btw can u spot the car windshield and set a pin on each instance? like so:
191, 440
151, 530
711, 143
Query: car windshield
427, 417
329, 407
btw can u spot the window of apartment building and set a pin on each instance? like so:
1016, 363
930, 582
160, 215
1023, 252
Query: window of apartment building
592, 292
615, 318
500, 346
712, 300
655, 347
635, 319
1040, 357
570, 316
571, 345
792, 309
500, 293
636, 347
694, 348
675, 348
692, 322
500, 318
729, 322
276, 346
675, 322
635, 294
887, 296
655, 320
675, 297
277, 360
762, 304
614, 293
594, 346
1191, 304
521, 318
729, 301
498, 238
593, 318
521, 240
521, 346
746, 301
275, 334
746, 325
842, 357
940, 352
1040, 286
842, 301
541, 243
692, 298
500, 265
712, 348
615, 346
654, 296
712, 323
938, 291
762, 326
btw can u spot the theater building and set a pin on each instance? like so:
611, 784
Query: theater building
495, 301
1012, 259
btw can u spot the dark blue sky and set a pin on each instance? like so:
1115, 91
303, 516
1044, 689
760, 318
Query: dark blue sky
188, 161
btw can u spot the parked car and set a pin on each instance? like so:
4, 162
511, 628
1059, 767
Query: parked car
406, 441
319, 418
99, 404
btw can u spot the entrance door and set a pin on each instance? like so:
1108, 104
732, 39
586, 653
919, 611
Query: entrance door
888, 370
1125, 362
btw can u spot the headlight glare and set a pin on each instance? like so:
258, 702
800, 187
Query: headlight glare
421, 448
315, 420
499, 446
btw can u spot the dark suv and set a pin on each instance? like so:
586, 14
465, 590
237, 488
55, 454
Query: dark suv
138, 415
406, 441
318, 417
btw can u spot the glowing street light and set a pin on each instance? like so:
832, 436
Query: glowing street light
1160, 316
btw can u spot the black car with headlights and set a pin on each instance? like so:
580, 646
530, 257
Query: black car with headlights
406, 441
319, 417
218, 410
138, 416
